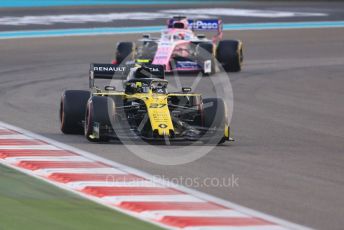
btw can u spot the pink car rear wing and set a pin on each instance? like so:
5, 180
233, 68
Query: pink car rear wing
207, 25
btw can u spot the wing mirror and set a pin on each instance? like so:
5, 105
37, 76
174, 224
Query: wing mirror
186, 89
110, 88
146, 36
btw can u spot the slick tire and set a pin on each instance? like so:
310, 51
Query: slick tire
99, 110
215, 117
72, 111
230, 54
125, 51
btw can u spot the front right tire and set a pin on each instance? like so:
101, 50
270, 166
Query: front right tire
216, 117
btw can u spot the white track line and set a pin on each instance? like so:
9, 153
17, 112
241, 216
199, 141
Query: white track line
14, 137
264, 227
47, 158
206, 213
29, 147
47, 172
109, 201
81, 185
152, 198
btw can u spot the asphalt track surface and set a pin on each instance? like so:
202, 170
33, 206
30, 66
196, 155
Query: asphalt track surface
287, 121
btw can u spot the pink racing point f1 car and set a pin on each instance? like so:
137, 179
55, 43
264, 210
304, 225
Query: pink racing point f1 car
180, 49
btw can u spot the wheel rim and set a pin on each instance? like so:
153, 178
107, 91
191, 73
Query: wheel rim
241, 58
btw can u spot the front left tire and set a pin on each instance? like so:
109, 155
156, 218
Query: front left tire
98, 115
230, 54
72, 111
125, 51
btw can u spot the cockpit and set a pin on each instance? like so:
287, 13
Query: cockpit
146, 86
159, 87
176, 35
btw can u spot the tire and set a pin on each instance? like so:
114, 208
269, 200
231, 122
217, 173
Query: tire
230, 54
193, 118
72, 110
99, 110
125, 50
215, 116
204, 52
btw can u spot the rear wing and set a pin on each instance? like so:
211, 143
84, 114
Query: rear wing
205, 25
150, 71
107, 71
211, 25
123, 72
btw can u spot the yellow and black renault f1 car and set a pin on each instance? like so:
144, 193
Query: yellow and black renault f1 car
143, 110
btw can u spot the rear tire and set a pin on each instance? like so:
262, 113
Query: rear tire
230, 54
99, 110
215, 116
125, 51
72, 110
